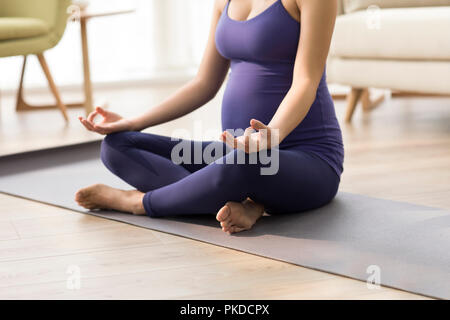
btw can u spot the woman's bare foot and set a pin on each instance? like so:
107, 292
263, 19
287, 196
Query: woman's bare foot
239, 216
100, 196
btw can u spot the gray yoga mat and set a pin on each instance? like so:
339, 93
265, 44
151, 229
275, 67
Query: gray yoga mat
408, 244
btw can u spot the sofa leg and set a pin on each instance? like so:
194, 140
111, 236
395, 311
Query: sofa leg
352, 100
367, 103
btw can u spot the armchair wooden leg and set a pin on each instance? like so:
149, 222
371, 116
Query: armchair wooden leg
52, 85
22, 105
352, 100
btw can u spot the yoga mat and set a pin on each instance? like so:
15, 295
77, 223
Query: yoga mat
408, 244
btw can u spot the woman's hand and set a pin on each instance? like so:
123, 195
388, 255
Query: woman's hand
111, 122
257, 137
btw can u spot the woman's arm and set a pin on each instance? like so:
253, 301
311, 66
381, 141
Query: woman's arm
317, 23
197, 92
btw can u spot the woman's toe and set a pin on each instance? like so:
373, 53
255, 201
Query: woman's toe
85, 205
226, 223
223, 214
78, 196
81, 195
236, 229
239, 229
228, 228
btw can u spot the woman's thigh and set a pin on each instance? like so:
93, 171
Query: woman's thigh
190, 154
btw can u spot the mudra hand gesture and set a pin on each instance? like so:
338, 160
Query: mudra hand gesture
111, 122
256, 138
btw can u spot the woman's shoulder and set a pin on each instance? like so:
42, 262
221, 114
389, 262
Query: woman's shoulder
220, 5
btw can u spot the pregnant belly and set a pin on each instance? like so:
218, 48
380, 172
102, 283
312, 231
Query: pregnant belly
249, 96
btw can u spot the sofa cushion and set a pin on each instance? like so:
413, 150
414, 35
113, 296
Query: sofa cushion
409, 33
354, 5
414, 76
18, 28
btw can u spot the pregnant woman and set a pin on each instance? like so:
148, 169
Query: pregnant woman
277, 88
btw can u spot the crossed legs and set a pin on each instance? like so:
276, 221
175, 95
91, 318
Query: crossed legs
238, 193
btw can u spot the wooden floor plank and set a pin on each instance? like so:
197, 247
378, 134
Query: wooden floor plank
7, 231
116, 262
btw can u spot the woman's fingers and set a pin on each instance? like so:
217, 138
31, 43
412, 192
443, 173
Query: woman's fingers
247, 140
99, 128
81, 120
105, 128
93, 127
257, 125
87, 124
250, 141
101, 111
265, 133
229, 139
91, 116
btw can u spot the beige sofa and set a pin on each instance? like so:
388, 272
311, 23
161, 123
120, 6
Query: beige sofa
402, 45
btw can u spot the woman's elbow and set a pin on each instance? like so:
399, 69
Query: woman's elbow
305, 86
208, 88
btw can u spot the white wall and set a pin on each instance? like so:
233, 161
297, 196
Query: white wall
161, 36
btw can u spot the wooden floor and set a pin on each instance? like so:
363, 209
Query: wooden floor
400, 151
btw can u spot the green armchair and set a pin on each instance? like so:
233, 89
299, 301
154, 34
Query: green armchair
31, 27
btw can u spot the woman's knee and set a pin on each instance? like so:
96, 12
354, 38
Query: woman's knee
119, 140
113, 145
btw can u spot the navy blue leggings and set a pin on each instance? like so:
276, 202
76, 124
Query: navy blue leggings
303, 181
